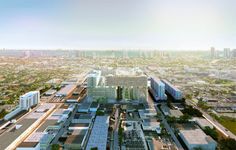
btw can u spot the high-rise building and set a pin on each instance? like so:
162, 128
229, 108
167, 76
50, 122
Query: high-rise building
213, 52
234, 53
158, 89
172, 90
93, 78
29, 99
118, 84
26, 102
226, 52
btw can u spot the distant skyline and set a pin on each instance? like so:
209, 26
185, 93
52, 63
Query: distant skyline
117, 24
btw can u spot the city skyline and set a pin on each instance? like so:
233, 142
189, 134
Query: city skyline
181, 25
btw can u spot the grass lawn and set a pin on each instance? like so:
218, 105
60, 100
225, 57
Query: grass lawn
229, 124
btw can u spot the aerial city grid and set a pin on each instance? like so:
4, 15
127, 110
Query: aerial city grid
118, 75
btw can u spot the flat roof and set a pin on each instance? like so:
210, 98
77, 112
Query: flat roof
58, 112
83, 116
66, 90
29, 93
50, 92
79, 125
150, 122
75, 139
28, 144
84, 106
171, 85
203, 122
8, 137
175, 113
98, 136
158, 81
64, 106
35, 137
94, 105
80, 132
46, 124
12, 134
196, 136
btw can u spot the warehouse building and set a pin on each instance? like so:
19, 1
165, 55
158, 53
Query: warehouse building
197, 139
66, 91
99, 133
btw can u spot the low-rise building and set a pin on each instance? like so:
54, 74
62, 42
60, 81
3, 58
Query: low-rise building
84, 108
22, 128
29, 146
146, 113
151, 125
77, 140
196, 138
94, 107
99, 133
82, 118
79, 126
203, 122
171, 112
66, 91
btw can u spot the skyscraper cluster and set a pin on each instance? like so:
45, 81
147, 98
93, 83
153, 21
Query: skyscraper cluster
227, 53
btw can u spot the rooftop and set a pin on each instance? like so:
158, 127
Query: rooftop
12, 134
9, 136
196, 136
66, 90
150, 122
28, 144
94, 105
29, 93
175, 113
79, 124
203, 122
83, 116
98, 136
46, 124
35, 137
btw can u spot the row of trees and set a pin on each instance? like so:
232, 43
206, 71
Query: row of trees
3, 112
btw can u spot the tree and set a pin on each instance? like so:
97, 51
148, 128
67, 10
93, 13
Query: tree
120, 133
197, 148
101, 100
100, 113
192, 111
171, 119
227, 144
184, 118
55, 147
202, 105
189, 96
211, 132
3, 113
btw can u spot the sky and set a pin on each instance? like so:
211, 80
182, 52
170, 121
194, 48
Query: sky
117, 24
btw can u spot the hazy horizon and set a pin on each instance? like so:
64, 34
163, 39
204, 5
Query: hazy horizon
114, 25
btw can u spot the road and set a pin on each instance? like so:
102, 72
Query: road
216, 124
64, 127
170, 131
115, 132
165, 123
